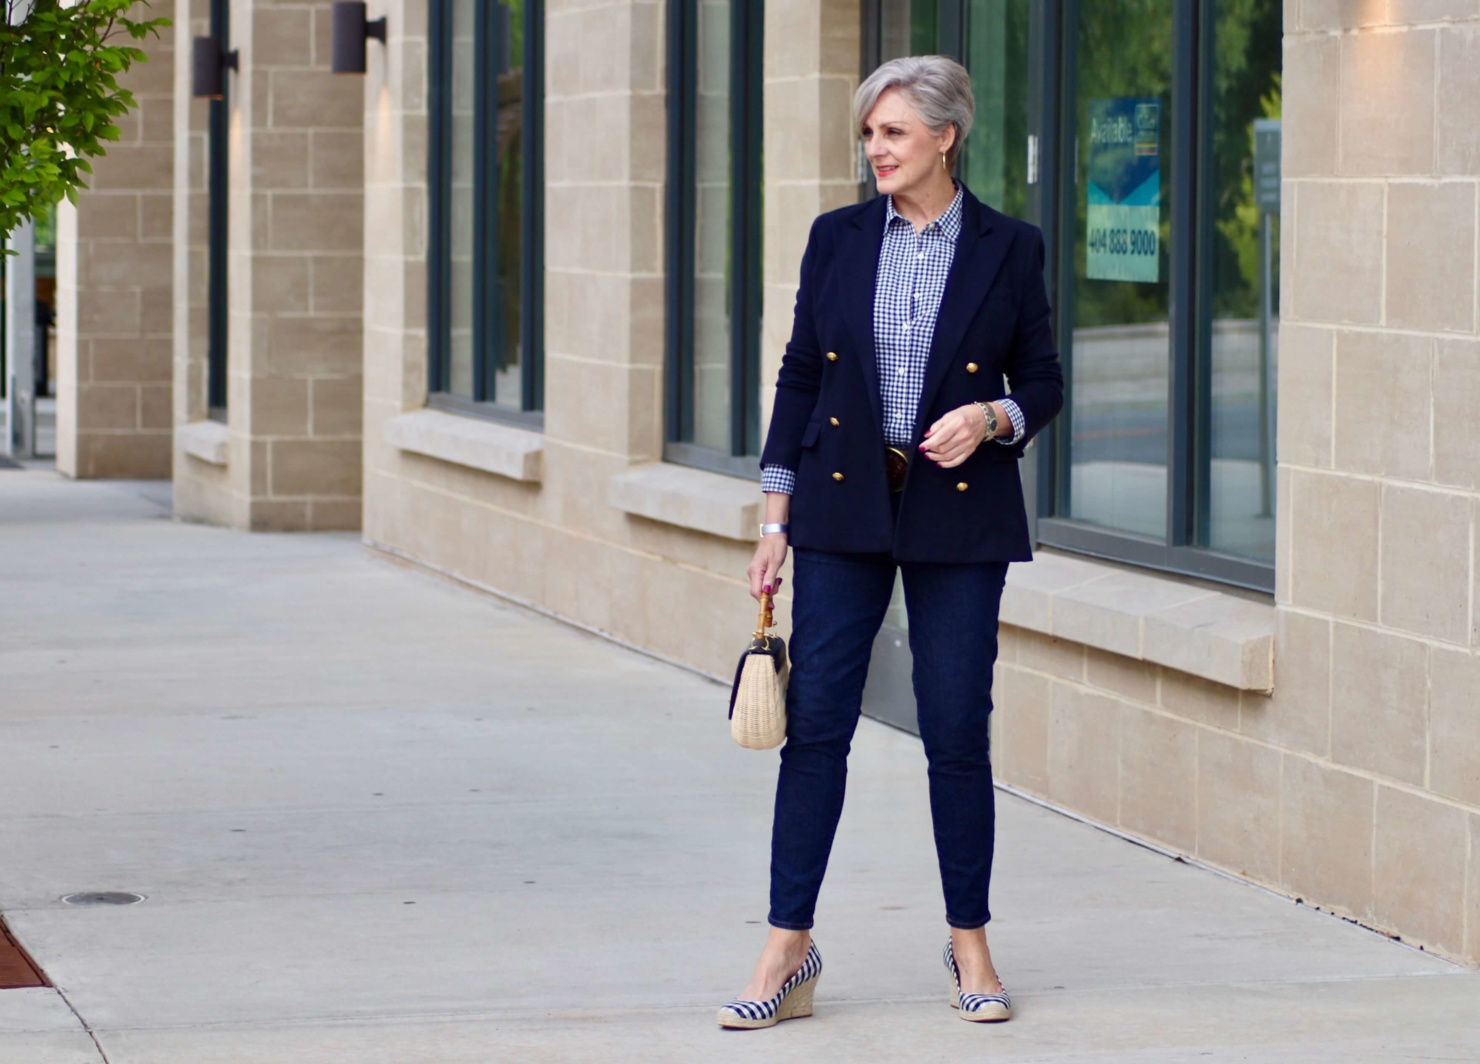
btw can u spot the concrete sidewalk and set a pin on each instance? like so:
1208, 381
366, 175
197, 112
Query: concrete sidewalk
381, 818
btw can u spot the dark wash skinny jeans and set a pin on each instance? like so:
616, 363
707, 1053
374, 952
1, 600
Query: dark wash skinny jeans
839, 603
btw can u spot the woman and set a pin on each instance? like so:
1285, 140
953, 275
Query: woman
893, 445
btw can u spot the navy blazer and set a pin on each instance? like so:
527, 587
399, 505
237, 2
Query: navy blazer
827, 423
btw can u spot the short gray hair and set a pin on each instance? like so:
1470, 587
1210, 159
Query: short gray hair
938, 88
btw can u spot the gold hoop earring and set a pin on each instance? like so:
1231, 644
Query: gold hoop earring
943, 164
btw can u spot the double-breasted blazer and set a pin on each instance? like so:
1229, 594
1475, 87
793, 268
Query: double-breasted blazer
827, 422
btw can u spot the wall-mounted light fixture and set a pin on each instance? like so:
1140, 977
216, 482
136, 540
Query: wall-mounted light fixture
209, 63
350, 32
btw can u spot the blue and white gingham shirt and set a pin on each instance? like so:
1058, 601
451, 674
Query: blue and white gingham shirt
913, 268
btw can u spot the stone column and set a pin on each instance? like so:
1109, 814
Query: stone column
296, 206
115, 287
1378, 657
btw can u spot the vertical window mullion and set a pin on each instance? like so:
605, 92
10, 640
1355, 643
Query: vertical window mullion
438, 176
1200, 399
745, 201
216, 198
486, 41
1183, 275
532, 289
682, 90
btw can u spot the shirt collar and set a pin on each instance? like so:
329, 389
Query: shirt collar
949, 222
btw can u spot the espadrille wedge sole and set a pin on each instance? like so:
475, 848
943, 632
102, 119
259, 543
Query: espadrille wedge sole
975, 1008
792, 1002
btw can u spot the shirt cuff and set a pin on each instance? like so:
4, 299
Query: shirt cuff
1019, 423
778, 479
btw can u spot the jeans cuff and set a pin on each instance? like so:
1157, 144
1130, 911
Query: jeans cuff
787, 925
967, 925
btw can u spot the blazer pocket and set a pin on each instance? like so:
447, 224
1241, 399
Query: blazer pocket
809, 437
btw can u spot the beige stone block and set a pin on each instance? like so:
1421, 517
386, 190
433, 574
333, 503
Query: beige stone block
1326, 848
1200, 700
1387, 103
1053, 657
1337, 222
1311, 106
278, 406
157, 312
1297, 715
156, 407
312, 99
116, 312
107, 215
1454, 724
1283, 525
156, 216
1110, 612
102, 407
1084, 752
1022, 700
317, 221
124, 455
1118, 675
1456, 398
793, 32
280, 160
121, 359
1333, 550
338, 159
1158, 778
315, 467
697, 499
1223, 638
128, 265
1414, 12
283, 36
1238, 806
793, 137
1307, 379
1426, 562
1459, 101
1472, 905
278, 515
338, 405
280, 283
1419, 870
314, 346
1431, 256
143, 167
1379, 700
335, 515
840, 28
1376, 372
338, 284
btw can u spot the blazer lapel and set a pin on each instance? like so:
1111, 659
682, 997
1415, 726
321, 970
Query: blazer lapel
858, 261
980, 251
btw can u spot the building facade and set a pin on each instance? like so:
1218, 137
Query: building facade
510, 303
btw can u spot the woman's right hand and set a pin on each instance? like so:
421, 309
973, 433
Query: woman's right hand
770, 556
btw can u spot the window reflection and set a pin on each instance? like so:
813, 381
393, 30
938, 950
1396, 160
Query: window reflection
713, 254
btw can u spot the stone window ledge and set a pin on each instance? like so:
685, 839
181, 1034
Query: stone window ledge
502, 450
1220, 637
210, 441
720, 505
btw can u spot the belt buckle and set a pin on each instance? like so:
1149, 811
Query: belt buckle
896, 465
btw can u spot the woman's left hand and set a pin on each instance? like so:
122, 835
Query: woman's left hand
956, 436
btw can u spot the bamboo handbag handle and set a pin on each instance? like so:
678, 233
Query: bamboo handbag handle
765, 620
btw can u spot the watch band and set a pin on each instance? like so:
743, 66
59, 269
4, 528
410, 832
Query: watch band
774, 529
991, 415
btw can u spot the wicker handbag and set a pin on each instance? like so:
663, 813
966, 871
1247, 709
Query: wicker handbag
758, 699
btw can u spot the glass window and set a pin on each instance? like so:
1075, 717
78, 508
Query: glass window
1241, 227
714, 227
485, 180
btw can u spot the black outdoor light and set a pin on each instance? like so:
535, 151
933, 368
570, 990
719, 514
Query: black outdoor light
208, 68
350, 31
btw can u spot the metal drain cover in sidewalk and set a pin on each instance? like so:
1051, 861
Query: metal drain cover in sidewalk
16, 969
103, 897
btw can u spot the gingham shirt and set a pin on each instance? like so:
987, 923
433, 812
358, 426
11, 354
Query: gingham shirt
913, 268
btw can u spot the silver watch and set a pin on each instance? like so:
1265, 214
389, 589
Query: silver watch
991, 416
774, 529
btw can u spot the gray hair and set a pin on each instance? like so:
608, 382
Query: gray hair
938, 88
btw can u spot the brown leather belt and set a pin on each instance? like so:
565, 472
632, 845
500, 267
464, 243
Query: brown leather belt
896, 465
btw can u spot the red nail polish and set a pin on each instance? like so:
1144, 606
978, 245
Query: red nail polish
767, 589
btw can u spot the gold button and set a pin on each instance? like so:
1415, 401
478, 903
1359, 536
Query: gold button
961, 486
837, 476
832, 356
972, 367
834, 422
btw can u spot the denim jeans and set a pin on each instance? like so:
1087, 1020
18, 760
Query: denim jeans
839, 603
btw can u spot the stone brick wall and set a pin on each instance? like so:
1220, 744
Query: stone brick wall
296, 225
115, 287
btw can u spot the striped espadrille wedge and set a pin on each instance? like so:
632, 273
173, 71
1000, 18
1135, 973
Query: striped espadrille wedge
793, 1001
978, 1008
